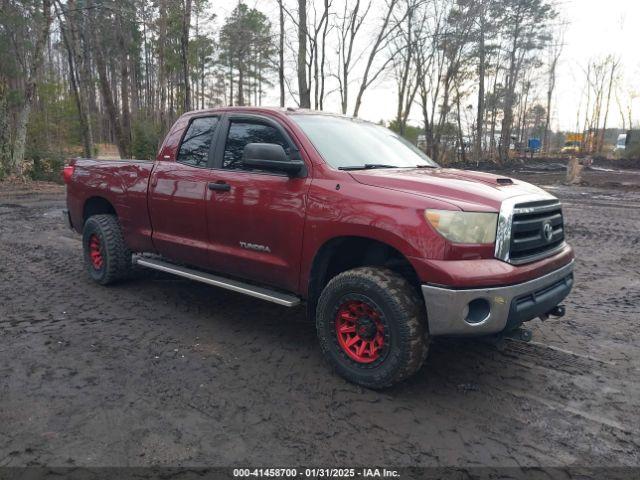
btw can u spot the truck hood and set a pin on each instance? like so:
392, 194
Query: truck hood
467, 190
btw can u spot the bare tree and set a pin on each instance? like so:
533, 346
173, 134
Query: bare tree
318, 55
303, 86
600, 74
70, 35
123, 41
404, 53
482, 55
323, 45
184, 47
162, 63
386, 31
5, 147
454, 40
429, 65
281, 53
525, 31
613, 65
30, 89
121, 137
554, 53
351, 22
484, 30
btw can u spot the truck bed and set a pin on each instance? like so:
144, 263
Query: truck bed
124, 184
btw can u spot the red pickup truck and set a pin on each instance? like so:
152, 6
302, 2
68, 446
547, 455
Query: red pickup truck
386, 248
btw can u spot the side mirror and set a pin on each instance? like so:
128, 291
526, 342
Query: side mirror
272, 157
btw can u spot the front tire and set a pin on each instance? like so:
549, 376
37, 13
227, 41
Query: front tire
371, 327
106, 255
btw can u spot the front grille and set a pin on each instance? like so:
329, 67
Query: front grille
537, 231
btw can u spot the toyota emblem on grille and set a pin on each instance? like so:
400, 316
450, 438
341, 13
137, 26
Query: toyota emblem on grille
547, 232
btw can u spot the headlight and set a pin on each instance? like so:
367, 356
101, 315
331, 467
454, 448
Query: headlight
464, 227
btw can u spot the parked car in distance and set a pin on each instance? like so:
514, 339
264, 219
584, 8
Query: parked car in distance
621, 143
386, 249
571, 147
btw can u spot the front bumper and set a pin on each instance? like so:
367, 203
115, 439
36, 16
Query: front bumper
484, 311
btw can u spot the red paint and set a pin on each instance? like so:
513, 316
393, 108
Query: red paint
166, 207
178, 208
67, 173
360, 331
95, 252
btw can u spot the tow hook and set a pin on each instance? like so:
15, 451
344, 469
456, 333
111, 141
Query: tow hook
558, 311
519, 334
522, 334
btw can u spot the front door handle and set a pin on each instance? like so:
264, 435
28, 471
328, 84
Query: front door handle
219, 186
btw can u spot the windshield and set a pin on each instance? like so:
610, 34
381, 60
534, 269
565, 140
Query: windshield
347, 142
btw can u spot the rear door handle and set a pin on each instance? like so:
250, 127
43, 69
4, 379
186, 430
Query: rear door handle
220, 186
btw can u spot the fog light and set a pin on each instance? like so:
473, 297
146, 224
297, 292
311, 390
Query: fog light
478, 311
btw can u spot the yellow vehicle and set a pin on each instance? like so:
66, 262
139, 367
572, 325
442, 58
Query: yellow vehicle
573, 143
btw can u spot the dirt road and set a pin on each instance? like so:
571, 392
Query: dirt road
163, 371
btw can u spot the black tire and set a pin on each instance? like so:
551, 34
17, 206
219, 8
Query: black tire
395, 305
115, 264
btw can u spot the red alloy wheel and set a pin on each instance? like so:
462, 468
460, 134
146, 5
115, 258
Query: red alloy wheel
360, 331
94, 252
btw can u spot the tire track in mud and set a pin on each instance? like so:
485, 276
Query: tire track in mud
162, 370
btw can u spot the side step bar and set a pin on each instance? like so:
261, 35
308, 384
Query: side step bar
217, 281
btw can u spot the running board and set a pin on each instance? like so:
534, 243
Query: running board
217, 281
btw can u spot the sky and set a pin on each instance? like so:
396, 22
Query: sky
595, 29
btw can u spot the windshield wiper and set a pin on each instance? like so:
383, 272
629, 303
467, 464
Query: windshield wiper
368, 166
427, 166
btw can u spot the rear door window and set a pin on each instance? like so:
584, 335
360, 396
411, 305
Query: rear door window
194, 149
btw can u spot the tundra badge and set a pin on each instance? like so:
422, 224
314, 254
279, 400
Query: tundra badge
255, 246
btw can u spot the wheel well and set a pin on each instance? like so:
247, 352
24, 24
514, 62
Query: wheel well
342, 254
96, 206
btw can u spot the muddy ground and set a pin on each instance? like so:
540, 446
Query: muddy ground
163, 371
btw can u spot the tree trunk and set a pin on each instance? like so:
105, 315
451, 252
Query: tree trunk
556, 51
124, 100
147, 60
463, 153
162, 67
16, 165
281, 53
428, 126
547, 121
82, 114
124, 91
230, 83
5, 150
323, 58
107, 96
404, 86
550, 90
477, 147
202, 75
614, 65
241, 88
509, 100
368, 77
303, 87
184, 48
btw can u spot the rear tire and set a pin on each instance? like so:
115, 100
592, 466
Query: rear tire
106, 256
371, 327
